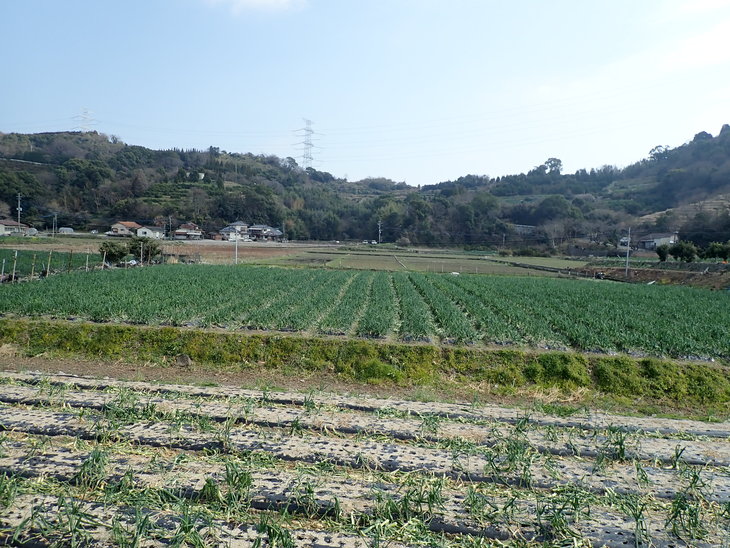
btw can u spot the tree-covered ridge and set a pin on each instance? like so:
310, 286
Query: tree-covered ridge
90, 180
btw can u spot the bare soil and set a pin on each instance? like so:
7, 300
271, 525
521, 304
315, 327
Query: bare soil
710, 280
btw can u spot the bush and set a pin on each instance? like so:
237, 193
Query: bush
683, 251
113, 251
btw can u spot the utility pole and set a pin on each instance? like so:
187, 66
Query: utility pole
628, 249
19, 210
380, 229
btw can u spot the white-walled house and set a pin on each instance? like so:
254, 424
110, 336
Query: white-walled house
8, 226
124, 228
154, 232
652, 241
235, 231
188, 231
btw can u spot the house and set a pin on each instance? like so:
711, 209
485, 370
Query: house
265, 233
188, 231
235, 231
124, 228
154, 232
652, 241
8, 227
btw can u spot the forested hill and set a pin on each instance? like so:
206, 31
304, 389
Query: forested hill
90, 180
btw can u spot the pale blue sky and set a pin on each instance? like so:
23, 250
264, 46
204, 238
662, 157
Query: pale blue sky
419, 91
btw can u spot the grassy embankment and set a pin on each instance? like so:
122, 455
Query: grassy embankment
689, 387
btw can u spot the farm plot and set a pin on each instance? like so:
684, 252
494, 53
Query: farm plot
25, 263
467, 309
111, 462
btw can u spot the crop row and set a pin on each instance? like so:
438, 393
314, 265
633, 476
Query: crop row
553, 313
459, 476
26, 263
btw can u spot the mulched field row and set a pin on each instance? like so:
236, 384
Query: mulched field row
363, 469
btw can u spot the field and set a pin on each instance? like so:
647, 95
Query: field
105, 462
27, 262
548, 313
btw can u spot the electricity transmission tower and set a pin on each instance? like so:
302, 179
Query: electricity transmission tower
307, 144
85, 120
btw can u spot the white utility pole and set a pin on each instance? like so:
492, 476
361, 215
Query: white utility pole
628, 250
19, 210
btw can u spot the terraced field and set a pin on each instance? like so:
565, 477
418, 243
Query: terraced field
87, 461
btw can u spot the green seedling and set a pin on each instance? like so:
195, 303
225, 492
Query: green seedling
686, 518
8, 489
133, 535
92, 473
276, 535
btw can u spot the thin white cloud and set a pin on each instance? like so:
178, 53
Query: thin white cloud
239, 6
701, 6
711, 47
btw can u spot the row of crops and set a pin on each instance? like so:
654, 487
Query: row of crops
25, 263
102, 462
467, 309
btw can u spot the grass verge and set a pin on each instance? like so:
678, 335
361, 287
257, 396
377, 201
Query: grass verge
700, 384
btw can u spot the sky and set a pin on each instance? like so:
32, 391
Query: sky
420, 91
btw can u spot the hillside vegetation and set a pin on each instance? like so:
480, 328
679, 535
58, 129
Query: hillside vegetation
90, 180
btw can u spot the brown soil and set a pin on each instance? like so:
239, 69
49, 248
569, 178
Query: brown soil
710, 280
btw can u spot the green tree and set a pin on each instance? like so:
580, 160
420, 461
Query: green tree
143, 248
113, 251
663, 252
717, 250
683, 251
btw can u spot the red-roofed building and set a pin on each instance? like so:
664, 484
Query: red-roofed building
124, 228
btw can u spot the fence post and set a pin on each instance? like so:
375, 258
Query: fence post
48, 270
32, 268
15, 262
